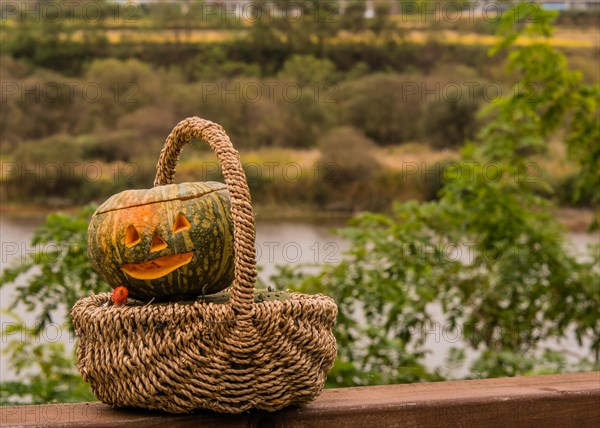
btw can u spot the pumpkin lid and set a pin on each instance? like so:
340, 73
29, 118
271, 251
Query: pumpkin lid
169, 192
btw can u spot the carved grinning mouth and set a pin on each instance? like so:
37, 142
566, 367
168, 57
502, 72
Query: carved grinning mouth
158, 267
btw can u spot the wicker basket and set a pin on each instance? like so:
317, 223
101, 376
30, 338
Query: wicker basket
227, 357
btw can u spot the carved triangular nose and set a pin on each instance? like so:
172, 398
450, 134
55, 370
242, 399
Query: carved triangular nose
157, 243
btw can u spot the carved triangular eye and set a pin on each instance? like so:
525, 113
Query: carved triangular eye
132, 236
181, 223
157, 243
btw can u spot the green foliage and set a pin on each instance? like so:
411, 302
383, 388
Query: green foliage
532, 288
381, 20
285, 27
61, 170
58, 272
54, 278
521, 285
36, 103
396, 108
354, 15
451, 122
488, 250
382, 289
569, 192
213, 63
45, 369
381, 107
123, 87
306, 70
549, 96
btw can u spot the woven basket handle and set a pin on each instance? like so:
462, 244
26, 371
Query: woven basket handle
242, 294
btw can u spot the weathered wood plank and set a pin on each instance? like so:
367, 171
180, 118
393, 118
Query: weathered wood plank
568, 400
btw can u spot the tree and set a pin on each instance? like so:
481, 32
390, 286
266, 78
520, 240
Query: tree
381, 19
489, 249
300, 26
354, 15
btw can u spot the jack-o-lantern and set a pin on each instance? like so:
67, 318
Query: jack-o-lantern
168, 242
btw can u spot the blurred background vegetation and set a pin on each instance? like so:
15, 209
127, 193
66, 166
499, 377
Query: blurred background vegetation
94, 91
86, 105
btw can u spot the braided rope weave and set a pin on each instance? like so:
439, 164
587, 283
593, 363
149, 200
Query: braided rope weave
228, 357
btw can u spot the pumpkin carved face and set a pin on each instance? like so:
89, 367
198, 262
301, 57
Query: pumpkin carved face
168, 242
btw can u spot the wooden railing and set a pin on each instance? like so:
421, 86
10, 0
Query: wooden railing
568, 400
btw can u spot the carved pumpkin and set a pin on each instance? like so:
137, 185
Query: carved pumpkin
168, 242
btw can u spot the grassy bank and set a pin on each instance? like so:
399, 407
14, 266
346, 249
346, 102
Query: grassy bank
297, 184
576, 220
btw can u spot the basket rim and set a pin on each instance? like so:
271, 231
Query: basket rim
93, 315
104, 299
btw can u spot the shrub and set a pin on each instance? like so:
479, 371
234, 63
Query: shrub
347, 169
213, 63
152, 122
307, 69
380, 107
449, 124
124, 86
46, 169
111, 146
41, 105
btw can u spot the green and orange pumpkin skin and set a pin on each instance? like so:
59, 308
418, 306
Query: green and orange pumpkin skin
166, 243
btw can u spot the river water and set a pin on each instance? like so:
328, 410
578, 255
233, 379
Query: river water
277, 243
